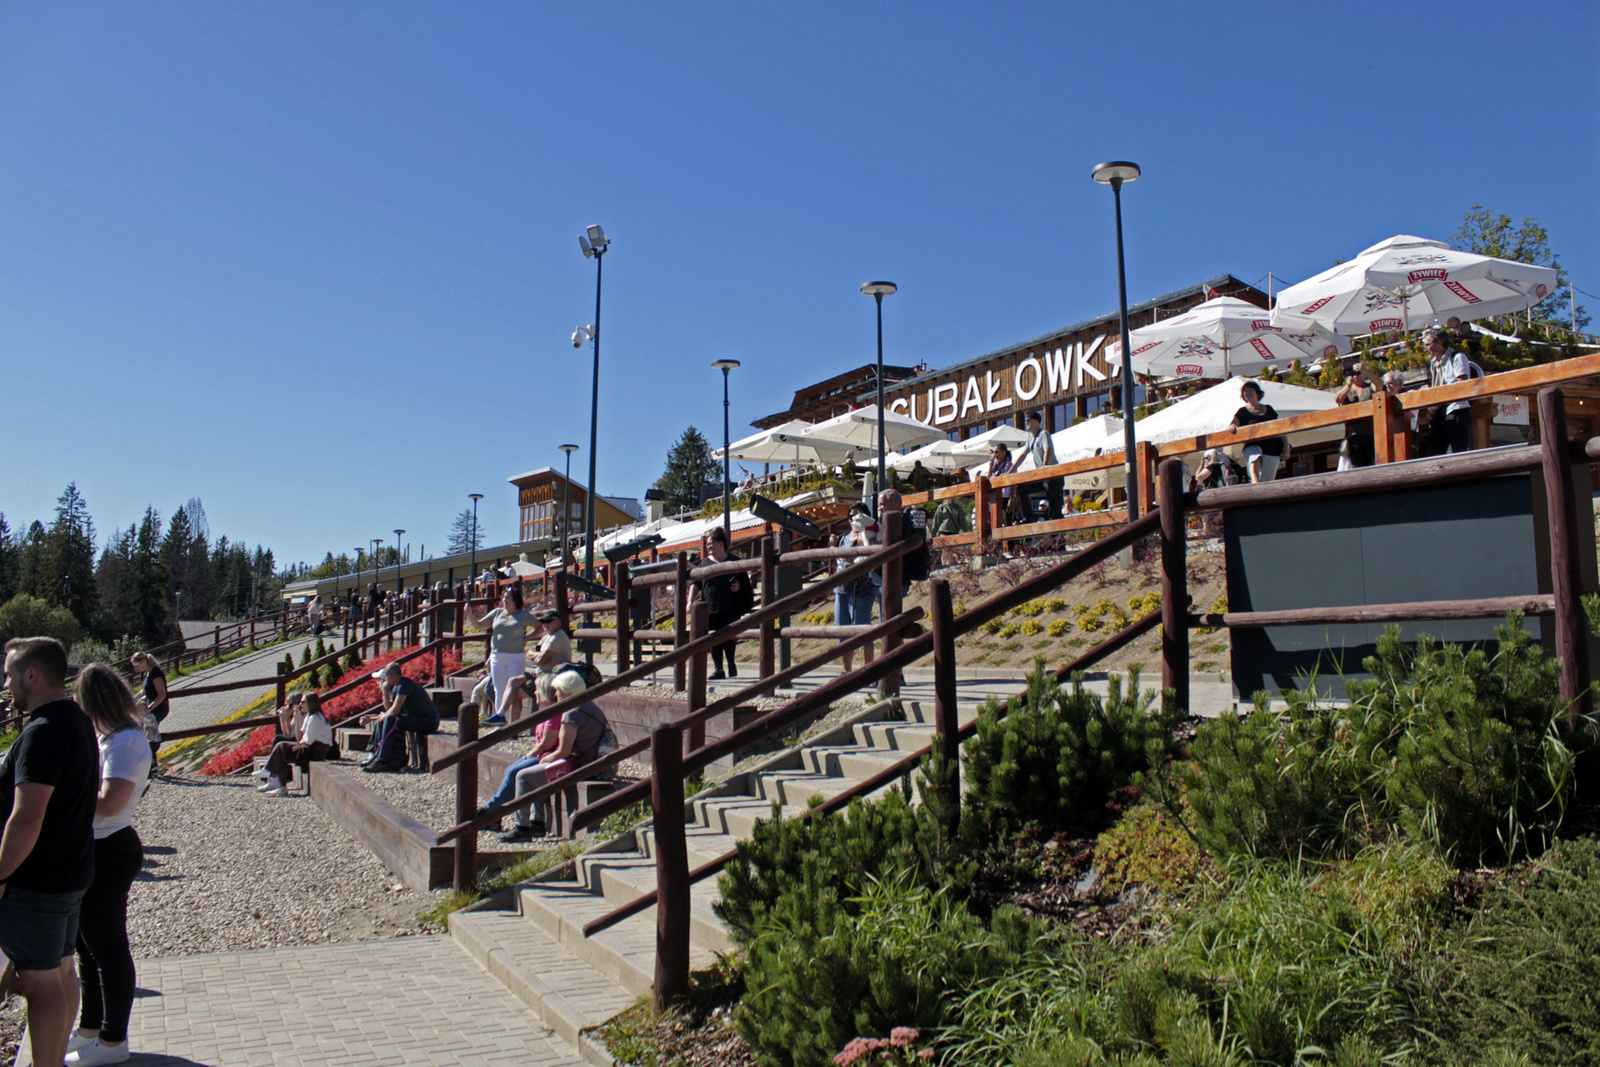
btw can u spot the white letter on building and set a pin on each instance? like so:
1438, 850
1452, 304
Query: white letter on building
944, 403
970, 399
991, 386
1084, 366
1056, 370
899, 406
1027, 393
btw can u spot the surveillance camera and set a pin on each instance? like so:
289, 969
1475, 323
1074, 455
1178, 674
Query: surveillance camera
578, 337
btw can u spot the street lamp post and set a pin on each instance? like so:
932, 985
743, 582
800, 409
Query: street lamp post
472, 568
355, 593
566, 502
1115, 174
725, 365
879, 290
594, 243
397, 534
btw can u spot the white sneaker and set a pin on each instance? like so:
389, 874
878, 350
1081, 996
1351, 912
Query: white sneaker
269, 785
77, 1040
96, 1053
275, 791
262, 773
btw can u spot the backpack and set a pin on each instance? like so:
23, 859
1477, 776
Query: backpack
914, 565
587, 671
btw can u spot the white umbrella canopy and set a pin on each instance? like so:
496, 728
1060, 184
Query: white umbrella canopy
791, 442
940, 455
1211, 410
859, 430
523, 569
981, 443
1406, 282
1097, 435
1226, 336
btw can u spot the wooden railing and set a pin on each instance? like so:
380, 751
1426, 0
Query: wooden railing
226, 638
1388, 415
675, 755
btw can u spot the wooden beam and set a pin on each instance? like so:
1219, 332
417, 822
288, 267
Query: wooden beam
1435, 470
1479, 608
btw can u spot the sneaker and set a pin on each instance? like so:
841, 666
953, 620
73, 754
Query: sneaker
77, 1040
277, 791
494, 720
262, 773
524, 833
380, 766
496, 827
96, 1053
269, 785
717, 675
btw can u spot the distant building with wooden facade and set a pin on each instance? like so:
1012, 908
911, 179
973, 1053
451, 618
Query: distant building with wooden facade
539, 496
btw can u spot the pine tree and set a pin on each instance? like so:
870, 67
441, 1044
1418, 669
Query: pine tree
691, 472
150, 605
466, 534
68, 563
9, 563
31, 561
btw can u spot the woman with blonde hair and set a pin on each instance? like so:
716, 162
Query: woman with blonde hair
105, 963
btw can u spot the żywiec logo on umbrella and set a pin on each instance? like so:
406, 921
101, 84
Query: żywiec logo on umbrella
1429, 274
1385, 324
1308, 309
1462, 291
1263, 324
1190, 368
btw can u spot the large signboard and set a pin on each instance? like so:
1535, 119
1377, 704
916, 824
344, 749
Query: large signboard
1034, 378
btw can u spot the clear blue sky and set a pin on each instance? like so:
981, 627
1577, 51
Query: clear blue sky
317, 265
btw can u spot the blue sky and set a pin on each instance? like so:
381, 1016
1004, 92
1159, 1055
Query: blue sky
316, 264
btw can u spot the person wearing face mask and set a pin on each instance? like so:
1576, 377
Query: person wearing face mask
852, 601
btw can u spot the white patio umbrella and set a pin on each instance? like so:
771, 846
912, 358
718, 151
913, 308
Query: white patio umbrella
1226, 336
791, 442
523, 569
940, 455
981, 443
1211, 410
859, 430
1096, 436
1412, 281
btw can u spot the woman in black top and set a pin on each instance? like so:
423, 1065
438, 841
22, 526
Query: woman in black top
1261, 457
727, 597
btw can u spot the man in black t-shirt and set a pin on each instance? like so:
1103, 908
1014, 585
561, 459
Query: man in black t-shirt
407, 709
48, 783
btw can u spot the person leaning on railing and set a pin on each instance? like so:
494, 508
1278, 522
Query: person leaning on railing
557, 750
852, 601
1358, 437
1261, 457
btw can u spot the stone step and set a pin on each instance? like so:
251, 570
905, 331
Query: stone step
624, 877
566, 995
737, 815
797, 787
625, 954
905, 737
854, 762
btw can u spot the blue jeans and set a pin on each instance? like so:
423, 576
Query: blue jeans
851, 610
523, 776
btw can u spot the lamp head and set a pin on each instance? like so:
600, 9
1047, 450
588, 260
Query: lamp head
568, 449
397, 533
725, 365
598, 239
474, 496
583, 243
879, 289
1117, 172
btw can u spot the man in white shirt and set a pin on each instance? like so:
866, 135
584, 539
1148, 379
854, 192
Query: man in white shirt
1043, 451
1446, 366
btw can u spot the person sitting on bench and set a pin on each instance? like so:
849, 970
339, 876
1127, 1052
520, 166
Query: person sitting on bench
306, 737
555, 753
407, 710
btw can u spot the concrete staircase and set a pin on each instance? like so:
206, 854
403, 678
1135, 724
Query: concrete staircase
534, 942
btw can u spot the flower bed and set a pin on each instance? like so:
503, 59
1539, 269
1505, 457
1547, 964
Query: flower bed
340, 708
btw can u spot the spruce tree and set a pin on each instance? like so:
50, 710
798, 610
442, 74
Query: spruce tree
691, 472
9, 551
68, 564
462, 532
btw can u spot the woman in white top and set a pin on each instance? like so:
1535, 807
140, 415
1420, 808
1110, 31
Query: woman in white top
303, 739
105, 963
508, 642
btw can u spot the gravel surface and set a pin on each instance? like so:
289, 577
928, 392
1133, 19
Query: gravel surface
227, 869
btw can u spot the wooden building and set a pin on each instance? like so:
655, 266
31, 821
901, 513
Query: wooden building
1065, 373
539, 497
837, 395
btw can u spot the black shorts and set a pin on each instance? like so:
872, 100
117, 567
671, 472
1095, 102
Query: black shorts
39, 930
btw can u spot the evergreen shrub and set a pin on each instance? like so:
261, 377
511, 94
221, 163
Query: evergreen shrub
1054, 756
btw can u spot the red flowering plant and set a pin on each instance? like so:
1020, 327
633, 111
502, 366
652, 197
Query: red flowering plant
356, 701
897, 1050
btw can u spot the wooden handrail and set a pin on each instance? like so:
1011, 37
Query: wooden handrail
681, 654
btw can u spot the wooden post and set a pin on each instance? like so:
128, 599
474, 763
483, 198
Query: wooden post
216, 643
889, 684
699, 626
466, 857
563, 605
946, 719
1385, 440
1145, 456
672, 866
252, 630
769, 593
1174, 583
680, 618
624, 616
983, 513
1572, 647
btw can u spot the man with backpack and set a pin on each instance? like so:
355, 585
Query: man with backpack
560, 747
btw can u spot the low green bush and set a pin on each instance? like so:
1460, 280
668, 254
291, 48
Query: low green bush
1525, 965
29, 616
1149, 846
1055, 755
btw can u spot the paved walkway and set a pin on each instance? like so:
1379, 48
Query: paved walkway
212, 707
408, 1000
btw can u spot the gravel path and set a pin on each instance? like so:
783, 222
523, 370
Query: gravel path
227, 869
